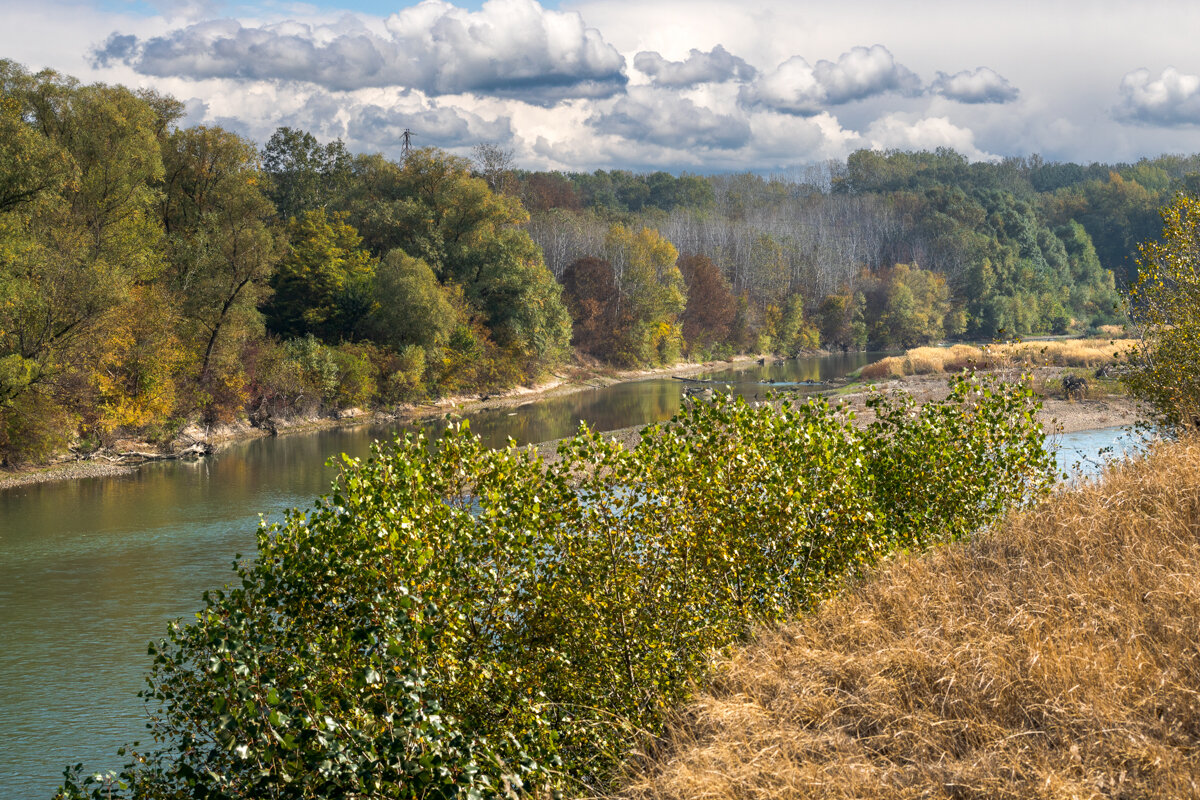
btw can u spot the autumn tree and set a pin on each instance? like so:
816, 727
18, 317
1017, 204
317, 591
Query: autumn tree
907, 307
710, 305
78, 234
590, 291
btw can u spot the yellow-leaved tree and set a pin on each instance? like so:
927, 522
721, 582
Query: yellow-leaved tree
651, 296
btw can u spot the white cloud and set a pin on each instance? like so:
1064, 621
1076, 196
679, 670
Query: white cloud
981, 85
795, 87
511, 48
1171, 99
715, 66
378, 128
476, 73
896, 132
669, 120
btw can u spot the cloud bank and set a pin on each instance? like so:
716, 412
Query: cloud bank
980, 85
716, 66
509, 48
668, 120
1172, 99
670, 84
795, 87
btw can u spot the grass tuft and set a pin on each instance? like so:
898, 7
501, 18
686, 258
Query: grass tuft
1056, 657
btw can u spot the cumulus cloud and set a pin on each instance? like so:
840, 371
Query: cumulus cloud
795, 87
379, 128
1171, 99
895, 132
509, 48
716, 66
980, 85
668, 120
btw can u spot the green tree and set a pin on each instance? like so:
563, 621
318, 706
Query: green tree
304, 175
313, 282
1164, 307
842, 321
409, 307
222, 243
433, 209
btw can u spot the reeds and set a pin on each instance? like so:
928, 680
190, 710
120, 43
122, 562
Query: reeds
936, 360
1056, 657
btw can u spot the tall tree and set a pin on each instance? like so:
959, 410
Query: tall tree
219, 223
590, 290
710, 305
304, 174
652, 295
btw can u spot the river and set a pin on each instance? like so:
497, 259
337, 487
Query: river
91, 570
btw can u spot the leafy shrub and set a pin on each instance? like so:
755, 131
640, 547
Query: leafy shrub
298, 376
453, 621
356, 385
406, 381
33, 427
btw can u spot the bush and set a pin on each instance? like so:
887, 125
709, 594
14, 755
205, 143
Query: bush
406, 381
33, 427
356, 385
456, 621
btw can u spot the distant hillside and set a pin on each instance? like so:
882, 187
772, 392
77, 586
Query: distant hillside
1055, 658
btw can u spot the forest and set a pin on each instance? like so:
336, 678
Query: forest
153, 274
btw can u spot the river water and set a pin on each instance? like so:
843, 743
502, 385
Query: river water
91, 570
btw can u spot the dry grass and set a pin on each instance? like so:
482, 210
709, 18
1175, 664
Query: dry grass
1054, 658
935, 360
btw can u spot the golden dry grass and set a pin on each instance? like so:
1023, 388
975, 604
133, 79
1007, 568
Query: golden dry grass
936, 360
1057, 657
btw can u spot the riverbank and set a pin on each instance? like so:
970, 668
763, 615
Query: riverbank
195, 441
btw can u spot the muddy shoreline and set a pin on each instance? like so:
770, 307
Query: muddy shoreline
127, 455
1058, 415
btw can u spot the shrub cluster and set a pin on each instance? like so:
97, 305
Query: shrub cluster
453, 621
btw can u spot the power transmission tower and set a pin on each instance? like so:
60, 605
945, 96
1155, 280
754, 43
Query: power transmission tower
407, 135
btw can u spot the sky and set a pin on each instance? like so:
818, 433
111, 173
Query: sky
699, 86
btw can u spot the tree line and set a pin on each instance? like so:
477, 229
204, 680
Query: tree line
153, 273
